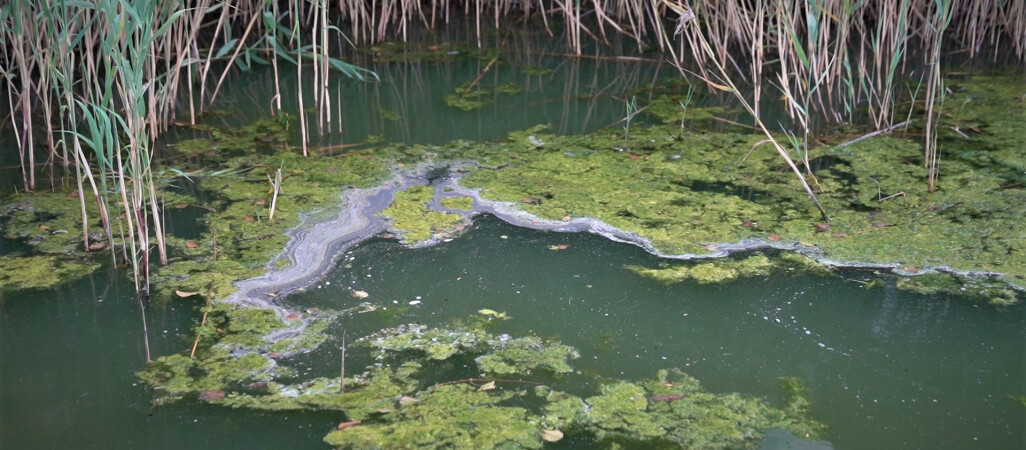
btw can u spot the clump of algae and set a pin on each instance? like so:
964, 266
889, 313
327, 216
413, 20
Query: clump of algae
388, 406
729, 269
461, 202
412, 218
469, 97
683, 192
977, 288
30, 272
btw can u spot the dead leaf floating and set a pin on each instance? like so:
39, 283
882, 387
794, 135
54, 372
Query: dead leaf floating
360, 294
487, 386
551, 435
185, 293
349, 424
407, 400
211, 395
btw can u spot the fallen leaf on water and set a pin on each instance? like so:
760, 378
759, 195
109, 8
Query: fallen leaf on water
96, 246
185, 293
667, 398
210, 395
551, 435
407, 400
348, 424
360, 294
559, 247
487, 386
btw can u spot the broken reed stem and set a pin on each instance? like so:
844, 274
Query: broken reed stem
275, 187
146, 332
342, 365
203, 321
487, 380
479, 77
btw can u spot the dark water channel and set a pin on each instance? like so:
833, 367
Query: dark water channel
886, 368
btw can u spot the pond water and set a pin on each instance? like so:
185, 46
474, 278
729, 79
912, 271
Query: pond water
885, 368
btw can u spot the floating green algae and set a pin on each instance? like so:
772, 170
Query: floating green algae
685, 192
525, 355
729, 269
412, 218
978, 288
51, 222
233, 351
471, 96
434, 343
673, 407
494, 354
387, 405
462, 203
29, 272
453, 416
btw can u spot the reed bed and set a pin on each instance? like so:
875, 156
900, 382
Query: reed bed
99, 81
90, 85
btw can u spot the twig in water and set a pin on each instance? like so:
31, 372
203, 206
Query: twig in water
203, 321
875, 133
276, 187
479, 77
485, 380
342, 369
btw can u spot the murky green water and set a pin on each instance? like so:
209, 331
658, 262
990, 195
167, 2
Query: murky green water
886, 369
